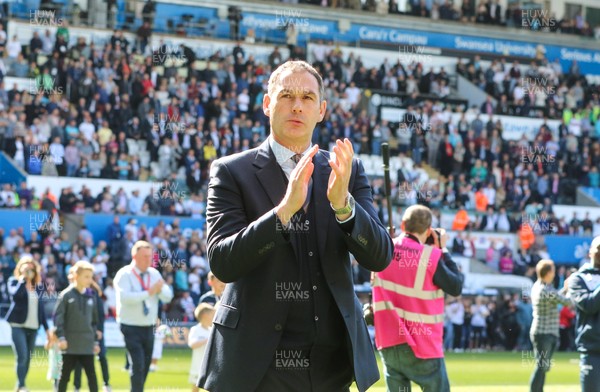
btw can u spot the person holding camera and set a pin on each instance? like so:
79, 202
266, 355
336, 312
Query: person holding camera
408, 304
26, 313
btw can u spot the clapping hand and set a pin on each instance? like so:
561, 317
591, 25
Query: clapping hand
341, 170
297, 189
156, 287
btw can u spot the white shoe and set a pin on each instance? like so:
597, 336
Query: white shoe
153, 368
107, 388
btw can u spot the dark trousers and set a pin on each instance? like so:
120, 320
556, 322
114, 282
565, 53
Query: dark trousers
69, 362
319, 369
457, 329
139, 342
401, 367
544, 346
589, 372
23, 345
477, 337
103, 366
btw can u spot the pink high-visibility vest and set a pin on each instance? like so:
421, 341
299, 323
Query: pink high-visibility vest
408, 306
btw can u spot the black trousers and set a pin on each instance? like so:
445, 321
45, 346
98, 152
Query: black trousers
69, 362
315, 369
457, 328
103, 366
139, 342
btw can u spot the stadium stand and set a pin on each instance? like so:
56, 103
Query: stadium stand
131, 107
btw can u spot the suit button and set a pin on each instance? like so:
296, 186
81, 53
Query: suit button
316, 318
278, 327
315, 288
310, 253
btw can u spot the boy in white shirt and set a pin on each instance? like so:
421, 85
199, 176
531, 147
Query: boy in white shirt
197, 339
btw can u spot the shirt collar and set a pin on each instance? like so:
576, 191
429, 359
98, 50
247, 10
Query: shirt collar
136, 269
283, 154
412, 237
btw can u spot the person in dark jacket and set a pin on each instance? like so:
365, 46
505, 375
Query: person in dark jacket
584, 290
26, 313
76, 321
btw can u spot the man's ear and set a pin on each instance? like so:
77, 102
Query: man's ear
322, 110
265, 105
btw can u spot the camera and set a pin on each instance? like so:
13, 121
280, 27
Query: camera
435, 233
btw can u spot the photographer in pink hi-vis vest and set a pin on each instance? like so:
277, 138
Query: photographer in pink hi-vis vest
408, 304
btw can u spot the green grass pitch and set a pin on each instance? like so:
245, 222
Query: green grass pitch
469, 372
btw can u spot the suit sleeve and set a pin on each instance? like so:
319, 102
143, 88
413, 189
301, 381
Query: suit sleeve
235, 245
368, 240
587, 301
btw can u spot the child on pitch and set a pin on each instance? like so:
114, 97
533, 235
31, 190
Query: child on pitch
160, 333
76, 320
54, 358
197, 339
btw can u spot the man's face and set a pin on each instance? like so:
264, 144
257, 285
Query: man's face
143, 258
294, 108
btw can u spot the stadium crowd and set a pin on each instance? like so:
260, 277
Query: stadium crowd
487, 12
95, 104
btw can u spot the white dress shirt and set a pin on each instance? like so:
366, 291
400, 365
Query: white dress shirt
131, 296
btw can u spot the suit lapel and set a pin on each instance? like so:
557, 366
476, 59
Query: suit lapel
321, 203
269, 174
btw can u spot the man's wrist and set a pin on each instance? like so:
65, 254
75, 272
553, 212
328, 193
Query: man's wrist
346, 209
340, 204
283, 214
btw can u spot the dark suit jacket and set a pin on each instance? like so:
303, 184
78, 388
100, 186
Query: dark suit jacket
246, 251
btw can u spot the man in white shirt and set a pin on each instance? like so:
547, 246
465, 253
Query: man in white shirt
13, 48
353, 93
135, 202
139, 287
87, 128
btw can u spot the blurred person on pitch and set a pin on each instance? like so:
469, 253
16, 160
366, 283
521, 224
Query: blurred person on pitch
26, 313
96, 291
282, 219
584, 290
214, 295
408, 305
544, 327
197, 338
76, 321
139, 287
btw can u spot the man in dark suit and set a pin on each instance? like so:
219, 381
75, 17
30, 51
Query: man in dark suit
282, 219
